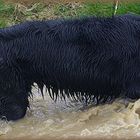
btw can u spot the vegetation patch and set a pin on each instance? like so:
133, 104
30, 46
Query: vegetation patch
11, 14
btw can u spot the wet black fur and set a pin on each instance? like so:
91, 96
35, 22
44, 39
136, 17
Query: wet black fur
85, 59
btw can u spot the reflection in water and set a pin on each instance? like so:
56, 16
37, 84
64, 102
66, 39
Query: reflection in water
46, 118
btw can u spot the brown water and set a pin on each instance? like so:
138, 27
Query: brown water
66, 119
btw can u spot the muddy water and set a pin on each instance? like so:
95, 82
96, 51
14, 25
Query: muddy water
67, 119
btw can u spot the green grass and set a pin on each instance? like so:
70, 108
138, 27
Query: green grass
12, 13
130, 7
86, 9
97, 9
6, 9
5, 13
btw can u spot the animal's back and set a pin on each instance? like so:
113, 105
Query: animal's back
82, 55
93, 55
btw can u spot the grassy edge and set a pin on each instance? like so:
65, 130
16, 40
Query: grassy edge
15, 13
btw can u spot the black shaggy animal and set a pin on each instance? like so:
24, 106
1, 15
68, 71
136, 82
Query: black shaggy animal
86, 59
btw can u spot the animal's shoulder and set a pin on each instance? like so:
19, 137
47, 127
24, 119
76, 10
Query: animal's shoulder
17, 30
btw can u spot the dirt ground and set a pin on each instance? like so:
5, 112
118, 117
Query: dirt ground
27, 2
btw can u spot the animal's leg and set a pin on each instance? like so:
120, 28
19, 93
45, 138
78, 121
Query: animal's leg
133, 89
13, 106
14, 91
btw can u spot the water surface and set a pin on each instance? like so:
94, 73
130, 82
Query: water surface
45, 118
